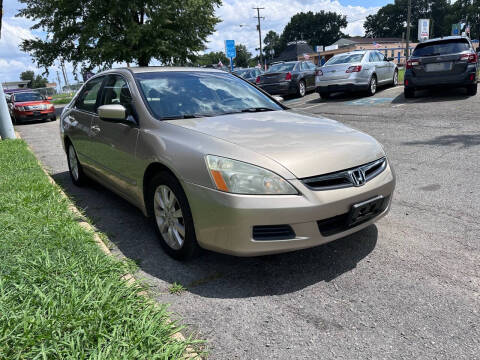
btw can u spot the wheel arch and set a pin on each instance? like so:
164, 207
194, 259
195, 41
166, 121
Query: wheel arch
151, 170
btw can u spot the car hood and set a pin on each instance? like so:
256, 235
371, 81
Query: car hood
305, 145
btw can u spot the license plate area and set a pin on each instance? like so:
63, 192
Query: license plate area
366, 210
441, 66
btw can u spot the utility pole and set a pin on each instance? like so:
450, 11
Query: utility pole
409, 15
6, 126
59, 82
259, 32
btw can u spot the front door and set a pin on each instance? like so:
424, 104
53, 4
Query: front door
114, 142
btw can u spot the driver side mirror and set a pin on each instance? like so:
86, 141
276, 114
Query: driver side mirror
115, 113
389, 58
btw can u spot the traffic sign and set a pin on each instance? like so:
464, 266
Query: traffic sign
230, 50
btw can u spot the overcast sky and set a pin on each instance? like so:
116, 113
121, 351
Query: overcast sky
233, 13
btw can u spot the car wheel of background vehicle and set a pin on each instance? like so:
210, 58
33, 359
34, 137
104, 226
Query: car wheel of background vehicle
75, 169
372, 86
409, 93
325, 95
302, 90
395, 78
172, 217
472, 89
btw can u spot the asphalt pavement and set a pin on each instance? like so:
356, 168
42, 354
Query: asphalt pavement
405, 288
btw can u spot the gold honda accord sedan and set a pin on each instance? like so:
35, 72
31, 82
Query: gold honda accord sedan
217, 163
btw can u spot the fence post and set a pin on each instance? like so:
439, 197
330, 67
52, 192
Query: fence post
6, 126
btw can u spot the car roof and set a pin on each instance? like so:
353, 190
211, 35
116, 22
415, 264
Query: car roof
355, 52
453, 37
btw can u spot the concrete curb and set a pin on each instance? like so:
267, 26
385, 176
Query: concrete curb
128, 278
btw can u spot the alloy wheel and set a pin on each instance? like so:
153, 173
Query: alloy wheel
301, 86
395, 78
373, 86
169, 217
72, 159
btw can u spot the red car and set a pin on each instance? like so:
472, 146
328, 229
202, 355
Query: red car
30, 106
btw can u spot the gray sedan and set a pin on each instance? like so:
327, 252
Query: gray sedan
356, 71
218, 164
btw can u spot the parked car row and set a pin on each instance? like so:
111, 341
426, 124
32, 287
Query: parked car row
449, 61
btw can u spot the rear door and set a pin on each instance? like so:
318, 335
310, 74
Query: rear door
382, 66
440, 58
115, 143
308, 74
79, 120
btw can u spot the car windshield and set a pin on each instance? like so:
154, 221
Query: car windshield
441, 47
345, 59
32, 96
281, 67
171, 95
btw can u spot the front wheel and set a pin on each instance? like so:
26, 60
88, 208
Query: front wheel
472, 89
172, 218
372, 86
302, 89
76, 172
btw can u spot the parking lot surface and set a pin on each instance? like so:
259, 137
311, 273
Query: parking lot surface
407, 287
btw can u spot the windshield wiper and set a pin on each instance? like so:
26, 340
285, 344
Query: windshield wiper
432, 54
257, 109
185, 116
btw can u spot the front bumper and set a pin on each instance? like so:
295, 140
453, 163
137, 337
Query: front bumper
25, 116
281, 88
224, 222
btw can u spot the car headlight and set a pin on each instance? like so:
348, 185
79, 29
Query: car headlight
49, 106
242, 178
20, 108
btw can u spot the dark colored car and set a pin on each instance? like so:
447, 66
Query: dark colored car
30, 106
250, 74
288, 78
448, 61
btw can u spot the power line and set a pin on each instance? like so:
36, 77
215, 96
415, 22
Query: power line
259, 28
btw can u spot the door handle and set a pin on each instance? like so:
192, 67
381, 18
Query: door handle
95, 129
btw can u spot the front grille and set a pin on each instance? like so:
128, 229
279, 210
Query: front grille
273, 232
340, 223
356, 176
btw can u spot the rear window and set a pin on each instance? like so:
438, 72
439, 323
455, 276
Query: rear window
345, 59
282, 67
443, 47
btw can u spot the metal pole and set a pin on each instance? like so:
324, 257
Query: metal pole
259, 31
6, 127
409, 14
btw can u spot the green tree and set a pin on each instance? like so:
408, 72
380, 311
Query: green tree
390, 20
243, 56
272, 44
322, 28
99, 33
211, 58
34, 81
463, 10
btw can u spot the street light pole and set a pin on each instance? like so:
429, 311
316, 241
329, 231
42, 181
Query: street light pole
259, 32
6, 127
409, 15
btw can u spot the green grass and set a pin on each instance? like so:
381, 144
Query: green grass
61, 100
401, 73
60, 296
176, 288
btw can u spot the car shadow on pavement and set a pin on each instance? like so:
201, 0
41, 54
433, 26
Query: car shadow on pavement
433, 95
465, 140
215, 275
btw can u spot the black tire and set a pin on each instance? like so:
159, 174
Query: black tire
395, 78
372, 86
409, 93
302, 88
325, 95
189, 248
472, 90
78, 177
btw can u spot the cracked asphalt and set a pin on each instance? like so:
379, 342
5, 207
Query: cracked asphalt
405, 288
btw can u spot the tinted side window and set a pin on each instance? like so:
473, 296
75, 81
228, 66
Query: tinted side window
87, 100
372, 57
116, 91
380, 56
